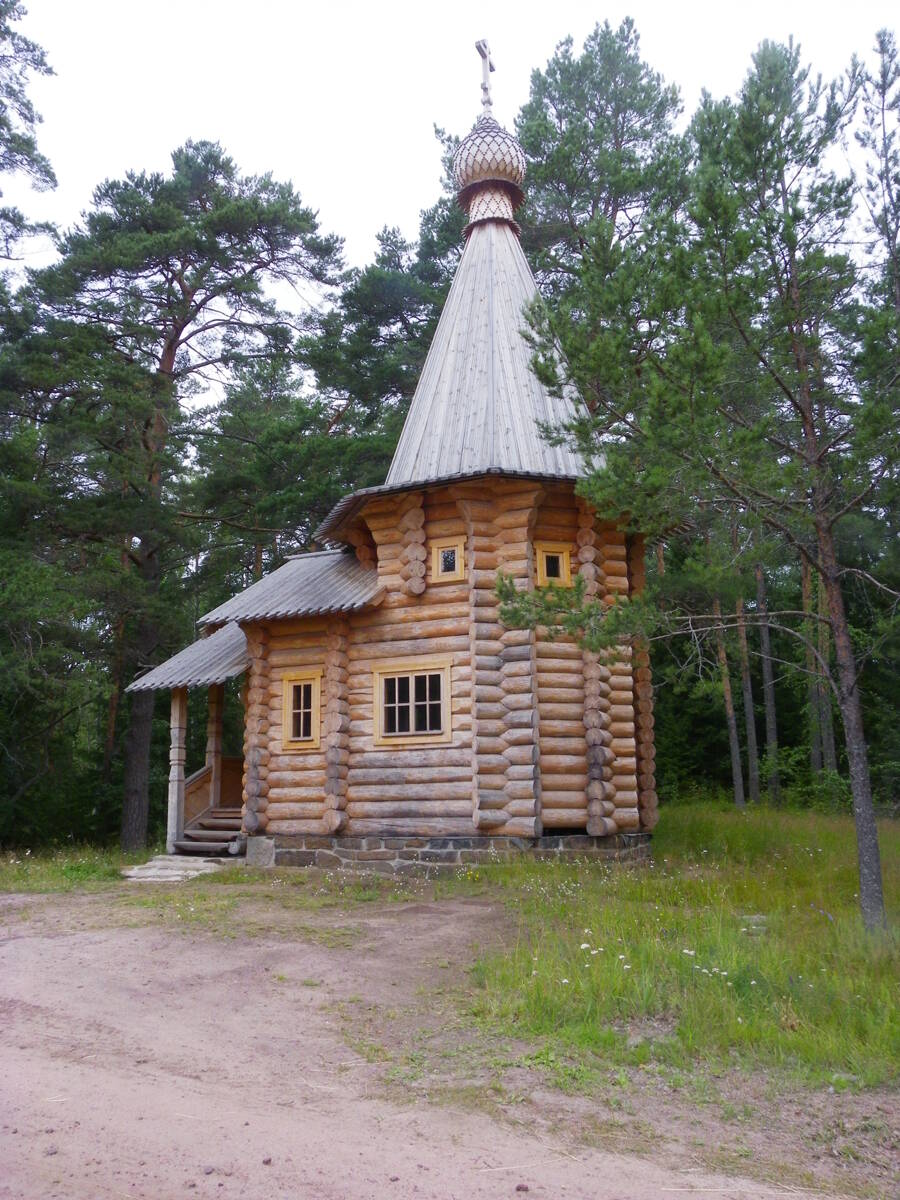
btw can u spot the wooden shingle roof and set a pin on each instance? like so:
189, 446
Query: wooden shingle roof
478, 404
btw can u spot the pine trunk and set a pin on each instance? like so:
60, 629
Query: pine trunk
136, 799
749, 710
871, 893
136, 802
812, 670
734, 744
826, 717
768, 688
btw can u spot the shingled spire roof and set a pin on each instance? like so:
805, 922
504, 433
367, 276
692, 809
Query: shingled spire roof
478, 405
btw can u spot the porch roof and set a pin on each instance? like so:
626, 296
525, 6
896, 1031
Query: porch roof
308, 585
207, 661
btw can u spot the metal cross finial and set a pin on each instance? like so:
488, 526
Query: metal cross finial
487, 65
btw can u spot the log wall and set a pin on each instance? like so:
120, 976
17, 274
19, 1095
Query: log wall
545, 736
560, 689
296, 798
415, 790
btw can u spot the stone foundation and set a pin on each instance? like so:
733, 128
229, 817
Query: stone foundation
439, 855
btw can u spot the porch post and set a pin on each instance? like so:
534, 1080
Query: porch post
178, 731
214, 743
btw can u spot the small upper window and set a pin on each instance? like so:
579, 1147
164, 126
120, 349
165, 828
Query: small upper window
554, 564
302, 710
448, 559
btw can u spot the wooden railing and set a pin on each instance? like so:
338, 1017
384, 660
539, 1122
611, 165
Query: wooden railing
196, 794
196, 788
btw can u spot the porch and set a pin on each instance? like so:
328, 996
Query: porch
204, 808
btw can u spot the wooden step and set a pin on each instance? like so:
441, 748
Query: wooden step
226, 813
232, 823
207, 849
209, 835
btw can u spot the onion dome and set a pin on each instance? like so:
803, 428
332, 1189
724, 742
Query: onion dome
489, 155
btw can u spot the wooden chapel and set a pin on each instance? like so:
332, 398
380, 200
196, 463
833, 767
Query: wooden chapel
388, 712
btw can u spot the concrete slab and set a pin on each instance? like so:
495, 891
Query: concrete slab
175, 868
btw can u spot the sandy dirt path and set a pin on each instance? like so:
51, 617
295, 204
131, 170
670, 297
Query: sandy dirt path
146, 1062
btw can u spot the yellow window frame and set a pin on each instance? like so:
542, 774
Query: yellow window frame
301, 745
448, 543
428, 664
564, 550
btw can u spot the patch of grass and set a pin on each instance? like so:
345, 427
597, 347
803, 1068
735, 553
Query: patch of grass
741, 945
86, 868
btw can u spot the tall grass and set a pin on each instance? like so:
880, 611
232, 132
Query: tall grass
741, 944
64, 869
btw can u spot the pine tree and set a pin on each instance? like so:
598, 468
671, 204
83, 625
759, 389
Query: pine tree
172, 271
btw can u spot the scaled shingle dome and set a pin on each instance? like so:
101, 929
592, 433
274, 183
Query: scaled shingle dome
489, 155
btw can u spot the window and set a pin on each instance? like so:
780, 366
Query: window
301, 729
448, 559
554, 565
412, 702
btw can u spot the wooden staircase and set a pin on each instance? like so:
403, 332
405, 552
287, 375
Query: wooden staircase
216, 831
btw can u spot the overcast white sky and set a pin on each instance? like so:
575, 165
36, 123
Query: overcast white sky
340, 96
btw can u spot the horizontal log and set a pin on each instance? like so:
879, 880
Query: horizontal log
521, 808
287, 811
562, 745
293, 828
624, 798
368, 655
412, 826
552, 711
601, 826
412, 757
558, 728
627, 818
522, 827
421, 794
622, 729
562, 762
563, 818
367, 808
551, 798
554, 782
403, 775
519, 789
312, 778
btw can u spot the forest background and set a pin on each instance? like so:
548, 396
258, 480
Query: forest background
727, 298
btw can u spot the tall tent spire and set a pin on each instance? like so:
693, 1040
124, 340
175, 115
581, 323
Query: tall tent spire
478, 406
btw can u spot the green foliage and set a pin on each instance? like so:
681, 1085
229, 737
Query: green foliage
19, 153
597, 132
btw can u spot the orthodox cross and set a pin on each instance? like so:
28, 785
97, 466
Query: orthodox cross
487, 65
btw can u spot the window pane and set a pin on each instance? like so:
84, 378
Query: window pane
420, 684
448, 561
307, 725
403, 689
296, 726
403, 719
434, 718
553, 566
421, 718
434, 687
390, 720
390, 691
307, 696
